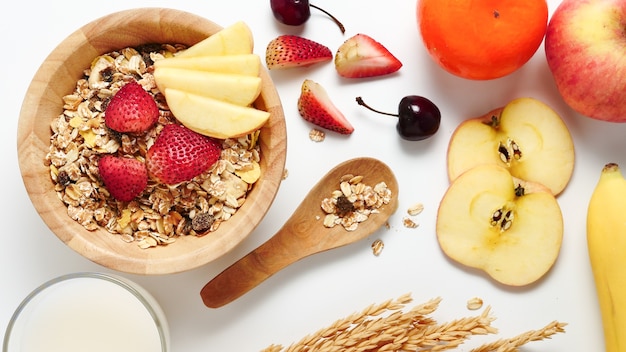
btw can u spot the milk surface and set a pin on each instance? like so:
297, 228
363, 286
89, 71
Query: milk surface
85, 314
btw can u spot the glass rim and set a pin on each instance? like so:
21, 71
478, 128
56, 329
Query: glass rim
143, 296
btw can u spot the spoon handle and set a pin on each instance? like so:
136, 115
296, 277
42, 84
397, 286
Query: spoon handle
250, 271
302, 235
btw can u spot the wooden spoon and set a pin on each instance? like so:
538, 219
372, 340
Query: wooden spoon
303, 234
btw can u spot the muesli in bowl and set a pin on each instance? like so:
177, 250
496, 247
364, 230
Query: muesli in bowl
62, 136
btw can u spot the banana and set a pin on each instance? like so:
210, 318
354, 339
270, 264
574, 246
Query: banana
606, 243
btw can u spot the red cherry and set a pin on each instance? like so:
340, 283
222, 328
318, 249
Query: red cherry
418, 117
296, 12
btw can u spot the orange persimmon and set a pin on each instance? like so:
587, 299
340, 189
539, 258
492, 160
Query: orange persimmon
482, 39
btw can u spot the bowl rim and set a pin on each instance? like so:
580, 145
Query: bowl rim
135, 27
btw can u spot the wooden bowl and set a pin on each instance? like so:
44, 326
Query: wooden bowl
57, 77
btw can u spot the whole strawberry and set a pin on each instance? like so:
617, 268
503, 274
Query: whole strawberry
288, 51
180, 154
315, 106
124, 178
131, 110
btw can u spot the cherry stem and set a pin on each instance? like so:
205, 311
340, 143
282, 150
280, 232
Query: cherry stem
341, 27
360, 101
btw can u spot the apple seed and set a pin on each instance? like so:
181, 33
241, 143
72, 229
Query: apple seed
502, 218
509, 149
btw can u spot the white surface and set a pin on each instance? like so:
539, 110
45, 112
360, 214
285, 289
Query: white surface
318, 290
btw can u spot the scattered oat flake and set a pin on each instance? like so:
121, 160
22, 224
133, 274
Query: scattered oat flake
474, 303
409, 223
316, 135
377, 247
415, 209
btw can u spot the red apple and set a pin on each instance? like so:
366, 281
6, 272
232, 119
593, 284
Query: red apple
585, 47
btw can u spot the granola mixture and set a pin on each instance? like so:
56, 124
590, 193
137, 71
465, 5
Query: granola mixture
353, 202
162, 212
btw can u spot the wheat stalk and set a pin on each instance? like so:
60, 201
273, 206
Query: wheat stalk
368, 329
450, 335
385, 327
512, 344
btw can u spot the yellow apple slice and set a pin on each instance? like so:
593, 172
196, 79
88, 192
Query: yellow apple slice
509, 228
231, 88
232, 40
244, 64
212, 117
526, 136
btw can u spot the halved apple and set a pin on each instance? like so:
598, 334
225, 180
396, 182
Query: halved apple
509, 228
232, 40
213, 117
232, 88
526, 136
243, 64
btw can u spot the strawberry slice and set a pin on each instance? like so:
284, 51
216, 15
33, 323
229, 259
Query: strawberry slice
288, 51
124, 178
180, 154
131, 110
315, 106
361, 56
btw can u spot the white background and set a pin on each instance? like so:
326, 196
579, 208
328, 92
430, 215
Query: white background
316, 291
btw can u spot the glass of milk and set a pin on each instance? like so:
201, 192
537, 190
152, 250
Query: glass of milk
88, 311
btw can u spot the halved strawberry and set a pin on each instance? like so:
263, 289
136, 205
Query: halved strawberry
124, 178
315, 106
180, 154
361, 56
131, 109
288, 51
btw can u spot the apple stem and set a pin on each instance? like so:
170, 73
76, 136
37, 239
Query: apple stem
360, 101
341, 27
